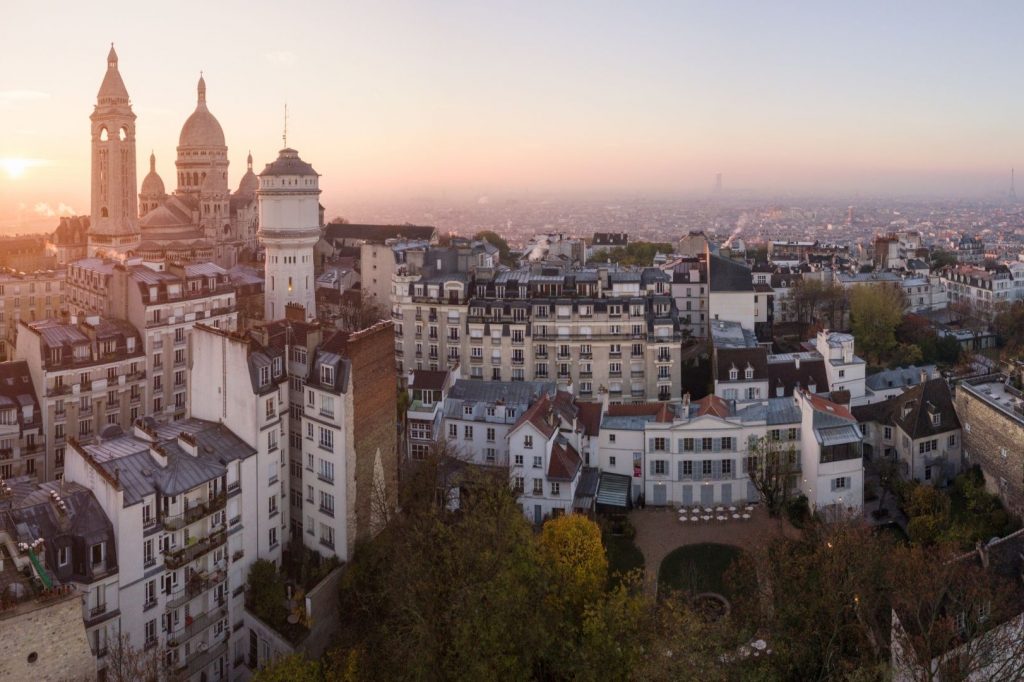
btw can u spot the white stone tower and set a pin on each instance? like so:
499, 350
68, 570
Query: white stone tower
289, 207
114, 228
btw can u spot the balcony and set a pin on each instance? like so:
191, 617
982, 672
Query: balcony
178, 558
196, 625
329, 511
197, 584
325, 478
194, 513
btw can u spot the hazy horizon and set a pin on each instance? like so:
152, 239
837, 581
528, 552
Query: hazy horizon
458, 100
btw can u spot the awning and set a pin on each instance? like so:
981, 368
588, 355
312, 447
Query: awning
613, 490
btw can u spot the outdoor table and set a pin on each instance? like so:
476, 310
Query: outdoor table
746, 516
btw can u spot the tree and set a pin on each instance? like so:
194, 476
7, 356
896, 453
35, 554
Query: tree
817, 301
956, 618
876, 311
941, 259
125, 663
496, 240
365, 313
771, 465
266, 593
571, 549
634, 253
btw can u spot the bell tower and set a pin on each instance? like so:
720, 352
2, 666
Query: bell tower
114, 227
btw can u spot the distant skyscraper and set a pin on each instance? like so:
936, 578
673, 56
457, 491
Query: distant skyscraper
849, 215
1013, 189
718, 183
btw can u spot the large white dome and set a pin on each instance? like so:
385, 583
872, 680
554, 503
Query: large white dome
201, 129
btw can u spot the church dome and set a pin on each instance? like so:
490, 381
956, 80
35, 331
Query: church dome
250, 183
201, 129
160, 218
152, 185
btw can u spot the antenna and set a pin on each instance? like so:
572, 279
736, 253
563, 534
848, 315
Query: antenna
284, 137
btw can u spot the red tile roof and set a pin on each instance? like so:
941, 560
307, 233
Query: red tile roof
829, 407
565, 462
713, 405
662, 412
590, 418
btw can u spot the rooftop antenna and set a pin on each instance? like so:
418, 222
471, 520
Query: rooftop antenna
284, 137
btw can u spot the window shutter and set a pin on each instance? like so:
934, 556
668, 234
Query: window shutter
743, 463
680, 471
716, 444
833, 484
680, 444
697, 445
650, 445
716, 469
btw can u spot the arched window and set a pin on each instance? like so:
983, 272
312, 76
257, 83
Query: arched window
103, 212
103, 135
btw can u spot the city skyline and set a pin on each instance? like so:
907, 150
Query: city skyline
530, 100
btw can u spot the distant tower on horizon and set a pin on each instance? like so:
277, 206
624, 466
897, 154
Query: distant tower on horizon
114, 221
1013, 189
849, 215
718, 183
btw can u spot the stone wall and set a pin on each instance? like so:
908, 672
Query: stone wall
987, 431
43, 642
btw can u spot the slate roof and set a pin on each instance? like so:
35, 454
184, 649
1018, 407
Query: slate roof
16, 386
500, 392
431, 380
728, 275
287, 163
127, 459
786, 375
727, 359
900, 377
912, 410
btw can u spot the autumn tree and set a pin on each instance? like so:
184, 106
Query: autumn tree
876, 310
571, 549
817, 301
771, 466
125, 663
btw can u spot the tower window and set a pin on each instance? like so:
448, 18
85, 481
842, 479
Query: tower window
103, 135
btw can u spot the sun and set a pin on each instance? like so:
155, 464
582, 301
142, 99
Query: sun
15, 167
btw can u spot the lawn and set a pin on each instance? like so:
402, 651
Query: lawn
698, 568
623, 556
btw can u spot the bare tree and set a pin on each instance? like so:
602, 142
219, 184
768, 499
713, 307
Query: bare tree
771, 464
125, 663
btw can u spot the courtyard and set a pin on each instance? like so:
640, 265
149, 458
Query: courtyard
659, 532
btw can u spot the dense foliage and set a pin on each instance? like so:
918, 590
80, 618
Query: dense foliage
634, 253
497, 241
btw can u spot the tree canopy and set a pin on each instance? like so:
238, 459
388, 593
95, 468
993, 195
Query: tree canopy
634, 253
875, 312
496, 240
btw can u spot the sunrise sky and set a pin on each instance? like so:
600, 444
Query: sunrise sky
395, 99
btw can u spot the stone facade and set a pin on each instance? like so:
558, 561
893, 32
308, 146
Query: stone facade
45, 642
993, 438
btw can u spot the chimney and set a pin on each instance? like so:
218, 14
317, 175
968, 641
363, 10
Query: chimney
686, 403
924, 375
796, 362
296, 312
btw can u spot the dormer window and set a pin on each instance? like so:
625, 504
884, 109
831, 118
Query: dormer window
734, 374
467, 410
277, 367
264, 376
327, 375
936, 419
749, 374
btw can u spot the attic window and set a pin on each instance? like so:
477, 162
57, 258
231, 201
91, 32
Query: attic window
264, 376
936, 419
749, 374
327, 375
277, 367
733, 374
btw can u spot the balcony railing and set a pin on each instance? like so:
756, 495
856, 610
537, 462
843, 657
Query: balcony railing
194, 513
195, 586
178, 558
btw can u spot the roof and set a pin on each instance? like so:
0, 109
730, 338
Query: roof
613, 490
901, 377
913, 409
713, 405
287, 163
590, 417
728, 359
660, 412
500, 392
112, 89
431, 380
783, 373
729, 275
127, 459
201, 129
377, 233
564, 463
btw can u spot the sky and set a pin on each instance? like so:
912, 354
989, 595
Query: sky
454, 99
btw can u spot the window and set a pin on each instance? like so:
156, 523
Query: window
519, 460
952, 439
453, 430
749, 373
687, 468
705, 468
727, 443
517, 485
687, 445
490, 434
270, 408
611, 438
611, 461
727, 467
887, 433
271, 537
264, 376
538, 462
706, 443
64, 555
272, 504
467, 432
734, 374
327, 503
98, 553
659, 445
326, 439
538, 486
528, 442
841, 483
327, 375
150, 630
660, 467
555, 489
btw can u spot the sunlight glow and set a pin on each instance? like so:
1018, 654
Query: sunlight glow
15, 168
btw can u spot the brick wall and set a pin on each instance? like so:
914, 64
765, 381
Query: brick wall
375, 399
986, 431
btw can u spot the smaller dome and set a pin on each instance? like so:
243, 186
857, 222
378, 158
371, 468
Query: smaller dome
152, 185
250, 183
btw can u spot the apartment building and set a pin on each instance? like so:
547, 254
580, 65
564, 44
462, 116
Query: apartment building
163, 305
242, 384
478, 416
584, 329
349, 445
831, 460
87, 374
428, 391
689, 288
979, 290
22, 442
179, 497
27, 296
